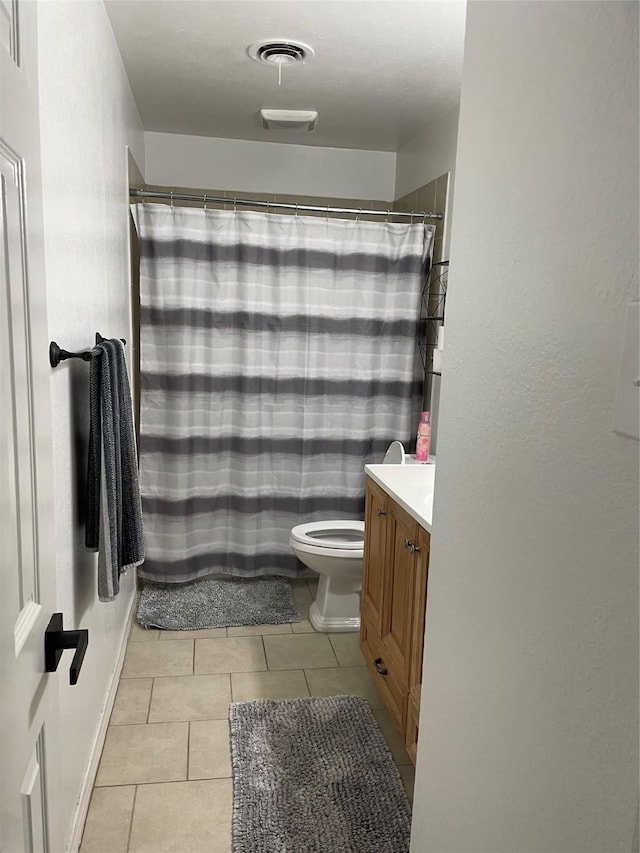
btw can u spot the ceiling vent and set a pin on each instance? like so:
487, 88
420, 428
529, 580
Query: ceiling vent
300, 121
279, 52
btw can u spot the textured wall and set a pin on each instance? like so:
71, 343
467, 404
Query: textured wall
529, 737
431, 154
268, 167
87, 117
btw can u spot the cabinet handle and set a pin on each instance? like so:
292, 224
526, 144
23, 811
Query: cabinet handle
381, 512
380, 667
417, 549
408, 544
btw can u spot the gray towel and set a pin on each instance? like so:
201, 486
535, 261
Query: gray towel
114, 513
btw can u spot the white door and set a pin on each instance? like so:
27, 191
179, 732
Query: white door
29, 759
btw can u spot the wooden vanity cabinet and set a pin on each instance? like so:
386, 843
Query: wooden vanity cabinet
394, 594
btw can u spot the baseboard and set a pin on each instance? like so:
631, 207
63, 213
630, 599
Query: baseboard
86, 789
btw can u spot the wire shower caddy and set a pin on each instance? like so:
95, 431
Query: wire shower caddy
434, 297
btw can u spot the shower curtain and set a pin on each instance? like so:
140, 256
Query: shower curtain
278, 357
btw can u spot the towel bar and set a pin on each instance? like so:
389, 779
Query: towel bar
56, 354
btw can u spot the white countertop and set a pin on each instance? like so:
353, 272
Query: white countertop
410, 485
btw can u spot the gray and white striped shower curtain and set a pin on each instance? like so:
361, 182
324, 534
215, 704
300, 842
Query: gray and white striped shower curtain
278, 356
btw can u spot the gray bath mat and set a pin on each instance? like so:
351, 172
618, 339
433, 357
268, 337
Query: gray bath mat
216, 603
314, 776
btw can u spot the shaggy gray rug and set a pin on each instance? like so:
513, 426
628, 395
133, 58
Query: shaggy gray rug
314, 776
216, 603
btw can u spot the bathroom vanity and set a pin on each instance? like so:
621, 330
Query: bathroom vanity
394, 587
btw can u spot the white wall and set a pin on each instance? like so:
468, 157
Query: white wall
529, 739
87, 118
268, 167
431, 154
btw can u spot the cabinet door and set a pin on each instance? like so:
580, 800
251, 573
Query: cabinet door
397, 614
422, 546
375, 545
423, 543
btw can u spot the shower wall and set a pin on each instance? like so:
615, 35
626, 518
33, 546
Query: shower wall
435, 197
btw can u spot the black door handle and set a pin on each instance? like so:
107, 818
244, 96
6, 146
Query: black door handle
380, 667
56, 640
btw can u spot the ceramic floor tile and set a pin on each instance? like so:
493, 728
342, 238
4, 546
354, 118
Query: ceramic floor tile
201, 634
258, 630
209, 749
304, 626
408, 774
301, 594
344, 681
392, 736
299, 651
190, 697
347, 649
132, 701
233, 654
184, 817
151, 753
289, 684
173, 657
138, 633
106, 829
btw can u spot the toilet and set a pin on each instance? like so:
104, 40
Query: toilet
335, 550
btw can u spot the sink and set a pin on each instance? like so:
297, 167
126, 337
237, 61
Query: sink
412, 486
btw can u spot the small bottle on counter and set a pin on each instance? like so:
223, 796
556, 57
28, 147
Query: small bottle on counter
424, 437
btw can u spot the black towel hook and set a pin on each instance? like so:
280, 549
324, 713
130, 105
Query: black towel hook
57, 354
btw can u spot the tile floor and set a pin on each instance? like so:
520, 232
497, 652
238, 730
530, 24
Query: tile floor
164, 780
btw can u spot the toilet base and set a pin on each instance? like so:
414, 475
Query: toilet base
332, 624
336, 608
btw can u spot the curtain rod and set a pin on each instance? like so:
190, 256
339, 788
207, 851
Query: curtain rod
277, 205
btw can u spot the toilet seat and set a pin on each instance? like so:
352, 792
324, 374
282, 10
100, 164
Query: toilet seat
331, 535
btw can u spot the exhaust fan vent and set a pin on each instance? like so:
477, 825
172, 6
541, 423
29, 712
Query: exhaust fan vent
280, 52
300, 121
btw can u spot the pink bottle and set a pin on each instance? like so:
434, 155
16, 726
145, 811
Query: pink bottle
424, 437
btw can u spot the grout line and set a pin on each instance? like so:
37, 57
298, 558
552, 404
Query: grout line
264, 652
307, 681
167, 782
333, 648
153, 684
188, 747
133, 806
193, 658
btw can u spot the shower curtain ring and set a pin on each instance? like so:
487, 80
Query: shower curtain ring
327, 214
358, 214
388, 214
296, 214
204, 201
235, 204
172, 198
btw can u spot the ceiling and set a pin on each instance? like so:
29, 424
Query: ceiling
382, 69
